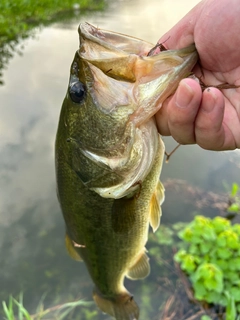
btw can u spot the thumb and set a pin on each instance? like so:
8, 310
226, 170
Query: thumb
178, 113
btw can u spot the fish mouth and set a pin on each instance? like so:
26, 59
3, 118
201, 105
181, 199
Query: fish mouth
114, 53
149, 79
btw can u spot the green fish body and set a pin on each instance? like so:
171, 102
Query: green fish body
109, 157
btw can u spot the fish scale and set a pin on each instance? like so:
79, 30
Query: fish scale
109, 157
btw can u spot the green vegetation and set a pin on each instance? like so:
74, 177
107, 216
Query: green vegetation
234, 199
16, 310
210, 256
18, 18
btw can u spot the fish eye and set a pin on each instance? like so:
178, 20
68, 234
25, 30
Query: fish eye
77, 91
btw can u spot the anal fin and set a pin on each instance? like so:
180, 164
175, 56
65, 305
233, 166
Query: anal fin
155, 206
71, 250
140, 269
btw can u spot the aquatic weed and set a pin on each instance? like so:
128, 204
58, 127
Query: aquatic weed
210, 255
15, 309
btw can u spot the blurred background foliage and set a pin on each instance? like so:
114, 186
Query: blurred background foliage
18, 18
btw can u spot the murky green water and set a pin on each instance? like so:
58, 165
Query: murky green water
33, 258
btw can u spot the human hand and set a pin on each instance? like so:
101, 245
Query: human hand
210, 118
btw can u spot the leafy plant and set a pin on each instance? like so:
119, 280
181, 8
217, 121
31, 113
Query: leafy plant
210, 256
234, 201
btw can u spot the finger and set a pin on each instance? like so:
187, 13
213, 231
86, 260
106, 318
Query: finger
182, 34
177, 116
209, 129
162, 118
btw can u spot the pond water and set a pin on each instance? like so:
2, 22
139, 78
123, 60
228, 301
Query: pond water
32, 252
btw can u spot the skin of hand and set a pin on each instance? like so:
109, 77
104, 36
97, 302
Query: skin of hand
210, 118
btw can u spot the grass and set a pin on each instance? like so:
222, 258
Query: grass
17, 17
15, 310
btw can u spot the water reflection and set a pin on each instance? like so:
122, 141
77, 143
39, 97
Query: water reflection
32, 252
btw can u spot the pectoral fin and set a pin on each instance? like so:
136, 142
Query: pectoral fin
155, 206
140, 269
71, 250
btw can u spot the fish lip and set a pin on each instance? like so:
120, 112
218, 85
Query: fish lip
105, 37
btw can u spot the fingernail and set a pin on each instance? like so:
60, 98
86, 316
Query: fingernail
209, 101
184, 95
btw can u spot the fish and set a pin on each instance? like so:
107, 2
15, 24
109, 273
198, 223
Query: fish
109, 155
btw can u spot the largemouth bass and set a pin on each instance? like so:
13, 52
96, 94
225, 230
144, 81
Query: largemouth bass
109, 157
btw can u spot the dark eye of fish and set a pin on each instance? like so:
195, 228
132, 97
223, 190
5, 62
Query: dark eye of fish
77, 91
